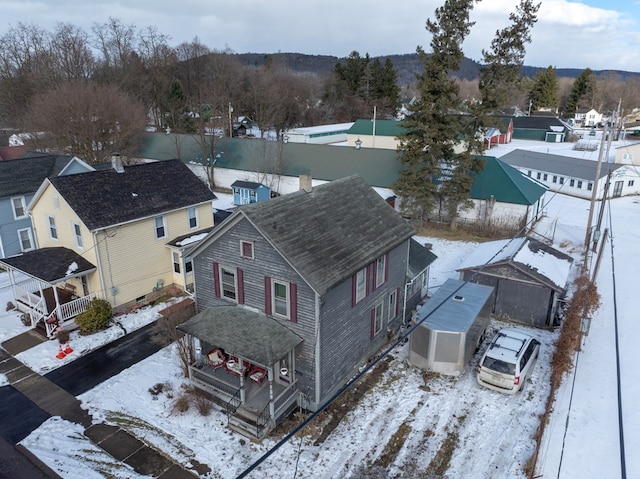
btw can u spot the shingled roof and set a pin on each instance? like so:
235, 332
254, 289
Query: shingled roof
25, 175
50, 264
106, 198
328, 234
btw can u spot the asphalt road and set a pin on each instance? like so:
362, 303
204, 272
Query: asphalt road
92, 369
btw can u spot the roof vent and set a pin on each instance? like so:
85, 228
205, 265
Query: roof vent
457, 297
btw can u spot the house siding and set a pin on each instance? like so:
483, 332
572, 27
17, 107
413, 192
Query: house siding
345, 330
134, 261
64, 218
9, 239
267, 262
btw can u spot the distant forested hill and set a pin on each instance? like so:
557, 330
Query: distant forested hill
406, 66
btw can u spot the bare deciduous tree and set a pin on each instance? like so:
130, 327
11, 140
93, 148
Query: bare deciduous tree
86, 120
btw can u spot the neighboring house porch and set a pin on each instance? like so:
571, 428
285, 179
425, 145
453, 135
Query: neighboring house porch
50, 287
246, 362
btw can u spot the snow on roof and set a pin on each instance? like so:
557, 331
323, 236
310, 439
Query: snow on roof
313, 130
492, 252
191, 239
555, 267
551, 266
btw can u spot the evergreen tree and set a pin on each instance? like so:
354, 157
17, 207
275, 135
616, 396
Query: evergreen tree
502, 63
545, 90
385, 90
581, 93
439, 145
176, 109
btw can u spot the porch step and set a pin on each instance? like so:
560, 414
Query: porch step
246, 427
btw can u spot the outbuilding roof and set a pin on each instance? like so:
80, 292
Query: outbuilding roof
530, 256
506, 184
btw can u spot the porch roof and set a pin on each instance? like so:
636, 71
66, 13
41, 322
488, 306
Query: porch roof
242, 332
52, 265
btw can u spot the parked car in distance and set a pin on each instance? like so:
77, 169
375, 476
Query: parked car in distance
508, 361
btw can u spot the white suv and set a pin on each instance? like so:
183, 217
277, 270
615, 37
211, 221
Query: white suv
508, 361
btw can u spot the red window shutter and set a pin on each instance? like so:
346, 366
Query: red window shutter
293, 292
373, 323
374, 273
386, 267
354, 285
368, 279
267, 295
240, 278
216, 279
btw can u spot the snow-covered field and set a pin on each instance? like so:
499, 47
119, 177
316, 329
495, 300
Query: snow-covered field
489, 432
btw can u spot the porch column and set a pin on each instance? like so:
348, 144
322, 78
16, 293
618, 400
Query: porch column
242, 391
272, 409
55, 296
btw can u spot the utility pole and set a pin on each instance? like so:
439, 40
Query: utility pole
596, 234
594, 194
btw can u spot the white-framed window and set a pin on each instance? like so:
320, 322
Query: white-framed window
192, 213
19, 207
228, 283
579, 184
161, 226
176, 261
246, 249
26, 239
589, 186
53, 231
361, 285
77, 234
393, 304
381, 270
376, 319
188, 265
280, 298
630, 183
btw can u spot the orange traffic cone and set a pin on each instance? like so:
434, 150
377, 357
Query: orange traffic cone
61, 353
67, 349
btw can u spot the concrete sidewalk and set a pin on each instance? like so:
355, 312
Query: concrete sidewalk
115, 441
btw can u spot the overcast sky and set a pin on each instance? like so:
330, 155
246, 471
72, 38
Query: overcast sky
599, 34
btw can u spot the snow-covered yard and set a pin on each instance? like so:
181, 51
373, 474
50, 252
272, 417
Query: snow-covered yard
401, 425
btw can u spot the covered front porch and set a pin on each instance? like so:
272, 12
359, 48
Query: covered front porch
50, 287
246, 362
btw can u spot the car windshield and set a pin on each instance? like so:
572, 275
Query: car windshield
499, 366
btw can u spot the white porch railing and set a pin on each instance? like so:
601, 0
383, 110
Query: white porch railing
75, 307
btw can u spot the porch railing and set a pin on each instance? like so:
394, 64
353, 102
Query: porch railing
263, 420
75, 307
233, 403
284, 399
211, 382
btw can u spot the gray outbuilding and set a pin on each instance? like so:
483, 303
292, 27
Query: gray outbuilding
451, 325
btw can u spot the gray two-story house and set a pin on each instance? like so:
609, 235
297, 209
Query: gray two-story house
19, 180
294, 295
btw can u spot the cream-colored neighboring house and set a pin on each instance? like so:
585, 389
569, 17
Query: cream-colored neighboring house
117, 233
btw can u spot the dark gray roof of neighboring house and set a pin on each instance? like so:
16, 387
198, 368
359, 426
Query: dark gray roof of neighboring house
246, 184
420, 258
25, 175
536, 122
106, 198
261, 339
329, 234
50, 264
562, 165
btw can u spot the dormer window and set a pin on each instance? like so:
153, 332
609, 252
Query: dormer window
246, 249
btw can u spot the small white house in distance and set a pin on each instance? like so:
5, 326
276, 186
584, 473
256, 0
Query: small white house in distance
320, 135
451, 325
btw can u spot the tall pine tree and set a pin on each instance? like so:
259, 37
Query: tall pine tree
545, 91
439, 145
581, 95
502, 63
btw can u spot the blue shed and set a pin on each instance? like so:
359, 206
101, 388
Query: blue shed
245, 192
